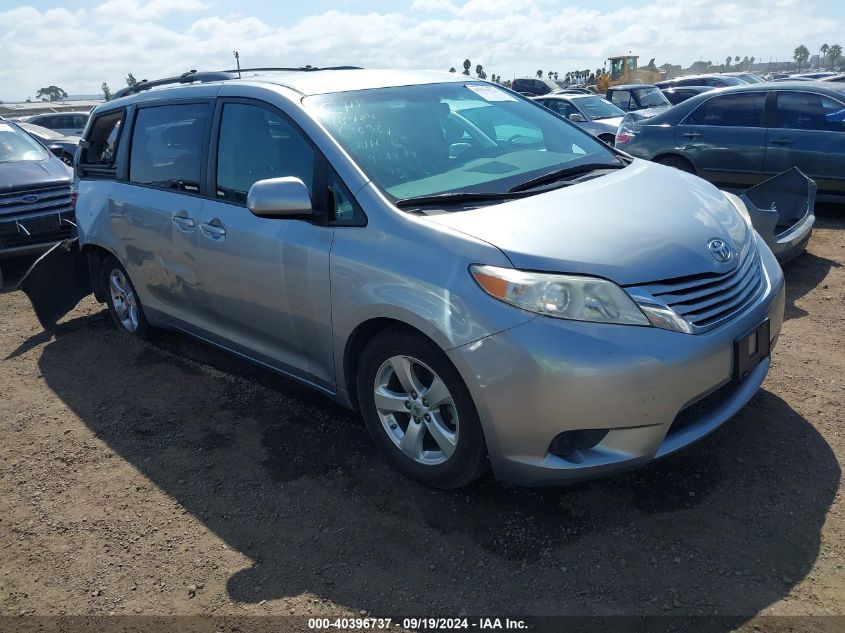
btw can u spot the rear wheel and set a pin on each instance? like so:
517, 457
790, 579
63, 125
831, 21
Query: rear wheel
122, 300
418, 410
677, 162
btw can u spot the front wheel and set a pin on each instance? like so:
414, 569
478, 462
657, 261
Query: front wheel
419, 412
122, 300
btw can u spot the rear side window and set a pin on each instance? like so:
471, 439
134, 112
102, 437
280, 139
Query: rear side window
740, 109
809, 111
167, 143
621, 98
256, 144
100, 148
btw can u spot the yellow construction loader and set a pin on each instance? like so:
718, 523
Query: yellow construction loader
622, 69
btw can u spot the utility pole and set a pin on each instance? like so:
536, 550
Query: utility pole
238, 62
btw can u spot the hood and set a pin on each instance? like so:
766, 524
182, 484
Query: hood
643, 223
33, 174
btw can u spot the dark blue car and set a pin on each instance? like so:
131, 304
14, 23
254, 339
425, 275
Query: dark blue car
736, 137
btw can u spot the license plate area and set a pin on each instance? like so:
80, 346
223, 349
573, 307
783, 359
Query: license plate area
751, 348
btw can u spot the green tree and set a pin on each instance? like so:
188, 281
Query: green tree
130, 80
745, 62
452, 69
107, 93
539, 74
728, 61
51, 93
479, 72
835, 53
736, 59
800, 55
823, 52
467, 65
751, 62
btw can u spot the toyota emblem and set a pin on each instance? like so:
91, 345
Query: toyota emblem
720, 251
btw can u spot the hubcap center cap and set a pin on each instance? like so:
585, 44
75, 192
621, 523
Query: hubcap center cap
417, 409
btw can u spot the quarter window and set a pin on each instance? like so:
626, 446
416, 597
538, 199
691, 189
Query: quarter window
621, 98
256, 144
809, 111
740, 109
167, 146
101, 147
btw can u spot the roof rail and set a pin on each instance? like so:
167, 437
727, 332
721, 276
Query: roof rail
185, 78
215, 75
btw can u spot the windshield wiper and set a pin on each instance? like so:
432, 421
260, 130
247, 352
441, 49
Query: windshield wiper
566, 172
456, 197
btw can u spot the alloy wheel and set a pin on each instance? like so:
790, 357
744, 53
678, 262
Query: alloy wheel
124, 301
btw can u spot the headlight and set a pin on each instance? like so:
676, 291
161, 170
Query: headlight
560, 296
739, 205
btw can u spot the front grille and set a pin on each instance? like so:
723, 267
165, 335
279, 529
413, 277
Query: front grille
52, 199
700, 408
708, 299
29, 222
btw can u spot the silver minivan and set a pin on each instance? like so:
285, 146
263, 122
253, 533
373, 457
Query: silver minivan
487, 283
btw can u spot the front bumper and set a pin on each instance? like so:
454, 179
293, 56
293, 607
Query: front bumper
546, 376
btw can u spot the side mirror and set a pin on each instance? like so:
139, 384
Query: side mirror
56, 150
577, 118
279, 198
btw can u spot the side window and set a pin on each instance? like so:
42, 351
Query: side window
167, 143
809, 111
565, 108
79, 120
256, 144
621, 98
100, 147
343, 210
739, 109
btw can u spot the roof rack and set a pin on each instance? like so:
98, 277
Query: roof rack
215, 75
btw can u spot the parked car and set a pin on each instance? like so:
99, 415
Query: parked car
631, 97
36, 197
64, 147
580, 91
749, 78
713, 81
534, 86
814, 76
737, 137
481, 279
65, 123
593, 113
682, 93
835, 78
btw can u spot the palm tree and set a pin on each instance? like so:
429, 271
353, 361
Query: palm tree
823, 52
835, 53
728, 61
539, 74
555, 76
751, 62
736, 59
800, 55
467, 64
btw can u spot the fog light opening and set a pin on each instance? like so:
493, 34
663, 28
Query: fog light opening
566, 444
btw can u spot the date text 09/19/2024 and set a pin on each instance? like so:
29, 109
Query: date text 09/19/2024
423, 624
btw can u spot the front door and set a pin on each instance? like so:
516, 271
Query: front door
725, 138
267, 280
809, 132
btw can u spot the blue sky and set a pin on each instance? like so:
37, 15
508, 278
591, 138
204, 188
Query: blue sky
78, 45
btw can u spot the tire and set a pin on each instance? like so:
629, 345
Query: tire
677, 162
122, 300
444, 447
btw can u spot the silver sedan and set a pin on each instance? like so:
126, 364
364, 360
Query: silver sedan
595, 114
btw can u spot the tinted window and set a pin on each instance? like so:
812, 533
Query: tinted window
79, 120
741, 109
256, 144
807, 111
621, 99
167, 144
562, 107
103, 139
599, 108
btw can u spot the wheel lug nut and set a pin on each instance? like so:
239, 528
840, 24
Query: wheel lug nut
414, 395
393, 426
407, 404
417, 419
425, 403
427, 417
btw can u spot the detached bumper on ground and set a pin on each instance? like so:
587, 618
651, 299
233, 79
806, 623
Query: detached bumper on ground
653, 391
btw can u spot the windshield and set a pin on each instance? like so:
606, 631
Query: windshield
426, 140
598, 108
752, 79
40, 132
15, 145
651, 97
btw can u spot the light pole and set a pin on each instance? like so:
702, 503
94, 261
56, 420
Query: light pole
238, 62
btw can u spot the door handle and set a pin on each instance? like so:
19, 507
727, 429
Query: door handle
213, 229
782, 141
691, 135
183, 222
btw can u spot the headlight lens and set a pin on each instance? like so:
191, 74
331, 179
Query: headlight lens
560, 296
739, 205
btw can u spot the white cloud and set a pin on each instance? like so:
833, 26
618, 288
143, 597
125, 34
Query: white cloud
78, 50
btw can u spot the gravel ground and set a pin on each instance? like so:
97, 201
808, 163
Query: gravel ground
168, 478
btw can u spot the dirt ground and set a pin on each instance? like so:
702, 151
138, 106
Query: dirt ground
169, 478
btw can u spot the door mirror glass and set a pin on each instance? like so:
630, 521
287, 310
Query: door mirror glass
279, 197
577, 118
